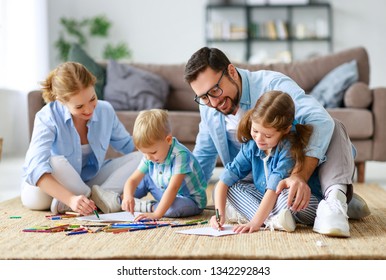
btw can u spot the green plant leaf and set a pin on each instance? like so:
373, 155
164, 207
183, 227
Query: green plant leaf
99, 26
79, 32
74, 28
119, 51
63, 47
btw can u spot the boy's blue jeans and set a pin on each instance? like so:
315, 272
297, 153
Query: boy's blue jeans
183, 205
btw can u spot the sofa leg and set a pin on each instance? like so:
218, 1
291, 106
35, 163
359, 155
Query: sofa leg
360, 171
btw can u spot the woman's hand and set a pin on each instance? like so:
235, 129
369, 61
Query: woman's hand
81, 204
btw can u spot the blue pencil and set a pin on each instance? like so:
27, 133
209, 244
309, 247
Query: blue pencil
77, 232
148, 227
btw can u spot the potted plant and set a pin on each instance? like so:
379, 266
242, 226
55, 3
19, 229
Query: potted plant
80, 31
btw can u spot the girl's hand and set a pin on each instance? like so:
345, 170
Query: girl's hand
214, 223
246, 228
81, 204
150, 216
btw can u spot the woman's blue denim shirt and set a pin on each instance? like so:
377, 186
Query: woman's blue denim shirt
54, 134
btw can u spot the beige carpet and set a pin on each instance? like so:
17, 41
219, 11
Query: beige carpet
367, 241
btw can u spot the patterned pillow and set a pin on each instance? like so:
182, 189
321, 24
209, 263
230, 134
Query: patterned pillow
131, 88
330, 90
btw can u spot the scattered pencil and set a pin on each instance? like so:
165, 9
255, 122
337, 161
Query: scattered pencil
96, 214
61, 216
77, 232
189, 224
15, 217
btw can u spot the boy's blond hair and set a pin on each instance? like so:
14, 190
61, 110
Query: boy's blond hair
151, 126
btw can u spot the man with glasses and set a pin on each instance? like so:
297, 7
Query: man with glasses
225, 92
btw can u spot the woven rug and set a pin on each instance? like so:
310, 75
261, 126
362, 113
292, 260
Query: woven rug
367, 241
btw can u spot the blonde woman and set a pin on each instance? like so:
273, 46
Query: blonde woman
71, 135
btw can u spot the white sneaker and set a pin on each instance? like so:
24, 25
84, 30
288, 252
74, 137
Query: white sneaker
106, 201
331, 216
357, 208
282, 221
233, 216
143, 206
58, 207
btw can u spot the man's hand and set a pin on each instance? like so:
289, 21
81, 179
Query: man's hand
299, 192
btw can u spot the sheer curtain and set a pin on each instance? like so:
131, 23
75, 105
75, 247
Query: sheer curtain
23, 64
24, 43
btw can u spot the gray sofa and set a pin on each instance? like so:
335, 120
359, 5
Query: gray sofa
363, 112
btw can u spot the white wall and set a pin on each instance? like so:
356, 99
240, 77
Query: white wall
166, 31
358, 22
169, 31
23, 63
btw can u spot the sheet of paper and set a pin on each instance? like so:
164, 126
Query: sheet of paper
111, 217
227, 230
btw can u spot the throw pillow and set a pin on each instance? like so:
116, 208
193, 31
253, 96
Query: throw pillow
330, 90
131, 88
358, 96
77, 54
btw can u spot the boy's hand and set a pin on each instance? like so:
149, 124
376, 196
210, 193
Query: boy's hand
151, 216
128, 204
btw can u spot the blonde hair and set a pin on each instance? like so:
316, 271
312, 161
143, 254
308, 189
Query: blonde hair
65, 81
276, 109
150, 126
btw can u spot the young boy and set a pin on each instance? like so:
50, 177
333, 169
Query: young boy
168, 171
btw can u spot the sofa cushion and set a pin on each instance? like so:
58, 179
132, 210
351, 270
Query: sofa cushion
184, 124
358, 122
330, 90
131, 88
181, 96
358, 96
77, 54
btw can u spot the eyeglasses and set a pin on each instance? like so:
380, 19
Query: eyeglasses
215, 92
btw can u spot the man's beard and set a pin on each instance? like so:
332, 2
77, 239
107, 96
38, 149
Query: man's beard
234, 105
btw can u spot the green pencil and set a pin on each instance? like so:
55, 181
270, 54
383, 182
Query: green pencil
96, 214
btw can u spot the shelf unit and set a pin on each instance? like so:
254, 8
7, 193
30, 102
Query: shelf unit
288, 25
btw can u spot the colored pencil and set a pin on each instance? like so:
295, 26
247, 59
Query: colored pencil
77, 232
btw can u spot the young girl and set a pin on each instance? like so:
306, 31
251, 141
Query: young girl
272, 142
71, 134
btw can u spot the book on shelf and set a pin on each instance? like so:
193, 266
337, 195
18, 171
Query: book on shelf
281, 29
226, 30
